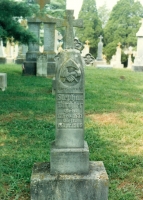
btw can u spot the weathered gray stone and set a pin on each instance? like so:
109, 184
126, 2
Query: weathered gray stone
69, 23
69, 160
69, 176
42, 65
92, 186
70, 100
3, 81
33, 50
22, 50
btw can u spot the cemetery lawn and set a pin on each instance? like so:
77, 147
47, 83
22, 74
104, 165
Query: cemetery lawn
113, 129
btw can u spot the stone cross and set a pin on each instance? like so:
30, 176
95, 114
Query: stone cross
69, 23
42, 3
119, 44
87, 42
100, 38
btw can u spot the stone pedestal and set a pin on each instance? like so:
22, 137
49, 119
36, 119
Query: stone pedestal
29, 68
104, 66
49, 46
92, 186
33, 50
69, 160
3, 81
42, 65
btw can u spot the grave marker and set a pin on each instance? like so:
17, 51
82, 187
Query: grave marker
69, 176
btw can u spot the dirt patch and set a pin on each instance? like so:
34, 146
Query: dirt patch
107, 118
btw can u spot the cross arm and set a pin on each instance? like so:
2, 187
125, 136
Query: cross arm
78, 23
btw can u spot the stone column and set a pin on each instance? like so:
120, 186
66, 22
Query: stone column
49, 46
33, 50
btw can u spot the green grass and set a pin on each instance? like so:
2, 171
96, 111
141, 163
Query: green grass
113, 129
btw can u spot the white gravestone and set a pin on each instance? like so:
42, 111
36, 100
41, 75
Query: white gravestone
138, 62
116, 60
86, 49
3, 81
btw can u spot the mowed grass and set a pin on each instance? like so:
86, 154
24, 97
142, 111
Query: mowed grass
113, 129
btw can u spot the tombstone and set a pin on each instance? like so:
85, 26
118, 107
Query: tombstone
41, 65
69, 175
49, 43
3, 81
118, 57
22, 50
9, 52
86, 49
138, 62
33, 49
2, 53
99, 60
100, 47
113, 61
129, 52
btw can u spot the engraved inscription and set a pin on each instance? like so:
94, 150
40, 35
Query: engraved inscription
70, 111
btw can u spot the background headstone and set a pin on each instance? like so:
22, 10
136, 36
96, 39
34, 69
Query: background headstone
2, 53
116, 59
100, 47
41, 65
3, 81
86, 49
138, 62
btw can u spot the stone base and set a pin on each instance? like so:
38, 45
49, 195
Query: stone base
137, 68
29, 68
9, 60
3, 81
97, 62
51, 68
69, 160
19, 60
93, 186
104, 67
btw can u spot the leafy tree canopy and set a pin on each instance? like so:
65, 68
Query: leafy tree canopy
56, 8
92, 25
122, 25
104, 14
10, 13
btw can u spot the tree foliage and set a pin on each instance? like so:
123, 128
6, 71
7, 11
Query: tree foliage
56, 8
10, 14
122, 26
92, 25
104, 14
